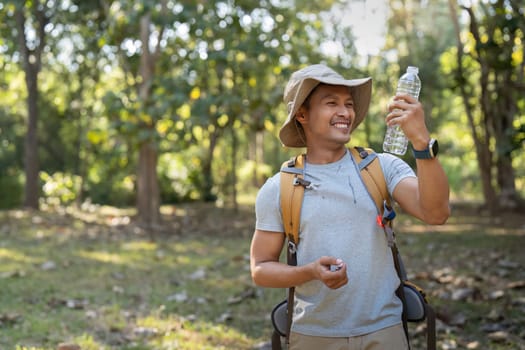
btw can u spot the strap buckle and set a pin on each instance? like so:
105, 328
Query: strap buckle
388, 215
297, 181
292, 247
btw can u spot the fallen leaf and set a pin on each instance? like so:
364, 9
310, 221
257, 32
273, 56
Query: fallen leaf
462, 294
492, 327
225, 317
497, 294
68, 346
9, 319
458, 320
145, 331
178, 297
498, 336
247, 293
48, 265
199, 274
516, 285
507, 264
12, 274
473, 345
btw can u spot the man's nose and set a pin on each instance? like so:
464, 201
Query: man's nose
343, 111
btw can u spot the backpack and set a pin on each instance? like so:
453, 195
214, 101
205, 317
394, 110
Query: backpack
292, 186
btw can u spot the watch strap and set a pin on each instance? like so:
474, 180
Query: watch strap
428, 153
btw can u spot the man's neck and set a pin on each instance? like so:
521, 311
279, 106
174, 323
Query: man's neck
324, 156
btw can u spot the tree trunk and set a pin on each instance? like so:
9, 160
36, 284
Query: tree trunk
498, 119
31, 60
506, 110
148, 194
259, 157
235, 146
479, 135
207, 174
31, 160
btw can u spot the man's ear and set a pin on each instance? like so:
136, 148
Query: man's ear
300, 116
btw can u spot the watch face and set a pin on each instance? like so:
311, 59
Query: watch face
434, 148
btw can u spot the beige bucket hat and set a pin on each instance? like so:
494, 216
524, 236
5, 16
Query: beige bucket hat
302, 83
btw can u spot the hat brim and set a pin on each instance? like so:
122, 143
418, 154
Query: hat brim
291, 135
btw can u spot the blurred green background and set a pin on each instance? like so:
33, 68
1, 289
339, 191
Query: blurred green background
139, 104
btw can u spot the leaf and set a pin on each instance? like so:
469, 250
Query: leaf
9, 319
68, 346
247, 293
516, 285
507, 264
145, 332
199, 274
462, 294
225, 317
12, 274
178, 297
497, 294
458, 320
499, 336
48, 265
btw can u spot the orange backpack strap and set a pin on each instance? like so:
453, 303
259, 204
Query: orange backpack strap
292, 193
292, 186
374, 180
372, 176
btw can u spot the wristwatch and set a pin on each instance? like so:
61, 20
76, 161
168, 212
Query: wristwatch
429, 153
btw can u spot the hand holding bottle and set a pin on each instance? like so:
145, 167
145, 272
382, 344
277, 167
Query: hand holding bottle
407, 113
395, 140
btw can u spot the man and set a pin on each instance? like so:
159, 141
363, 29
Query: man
354, 306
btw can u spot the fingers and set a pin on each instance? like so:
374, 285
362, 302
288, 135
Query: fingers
336, 279
405, 97
332, 272
403, 110
404, 103
395, 117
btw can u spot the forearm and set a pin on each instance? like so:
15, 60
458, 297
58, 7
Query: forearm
433, 189
275, 274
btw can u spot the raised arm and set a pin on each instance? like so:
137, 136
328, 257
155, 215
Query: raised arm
427, 196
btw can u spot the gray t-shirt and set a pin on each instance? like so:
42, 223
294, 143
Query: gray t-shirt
338, 219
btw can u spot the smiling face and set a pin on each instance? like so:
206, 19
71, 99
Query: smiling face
327, 116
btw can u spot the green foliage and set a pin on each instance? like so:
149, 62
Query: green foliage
179, 177
217, 86
60, 189
12, 186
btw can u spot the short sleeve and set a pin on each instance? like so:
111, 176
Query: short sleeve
395, 169
267, 206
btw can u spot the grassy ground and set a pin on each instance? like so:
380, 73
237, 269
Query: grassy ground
93, 278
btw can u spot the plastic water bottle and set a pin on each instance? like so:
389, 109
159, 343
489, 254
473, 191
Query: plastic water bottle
395, 140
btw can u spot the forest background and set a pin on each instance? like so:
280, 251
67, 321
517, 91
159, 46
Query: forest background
135, 135
161, 102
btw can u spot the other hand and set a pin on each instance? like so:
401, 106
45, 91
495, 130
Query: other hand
332, 279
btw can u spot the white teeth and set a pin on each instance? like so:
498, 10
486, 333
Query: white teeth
341, 126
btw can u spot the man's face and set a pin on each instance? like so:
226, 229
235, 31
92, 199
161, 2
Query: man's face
329, 116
